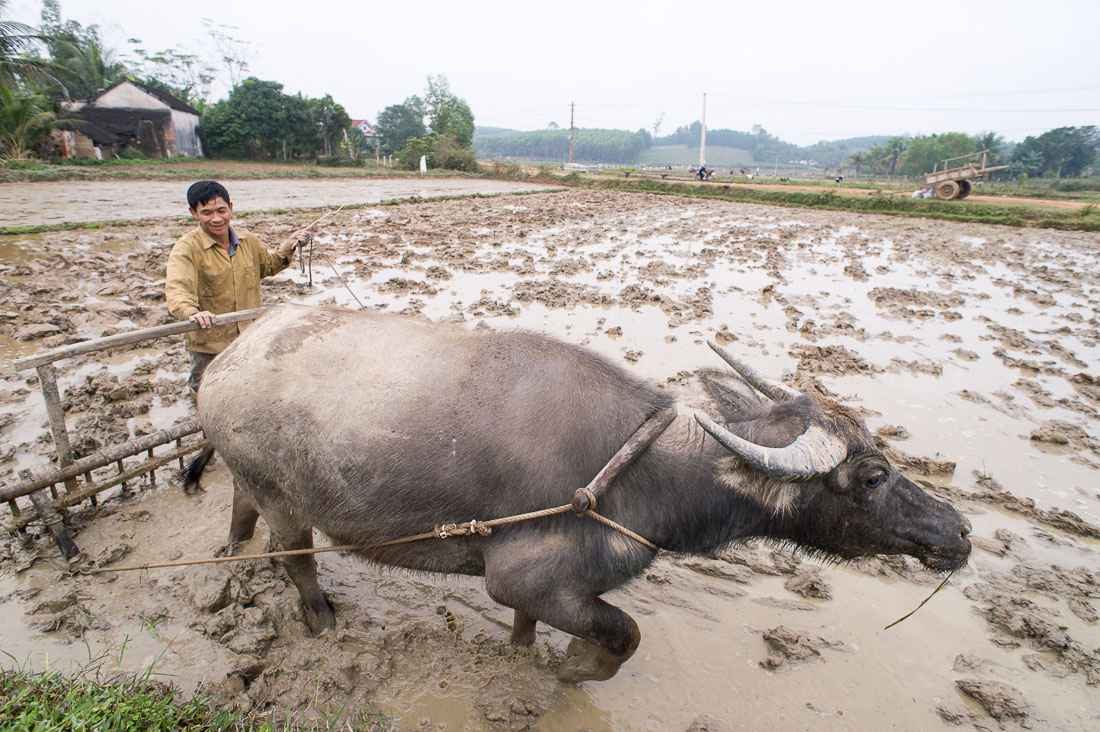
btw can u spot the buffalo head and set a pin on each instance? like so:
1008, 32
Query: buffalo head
812, 463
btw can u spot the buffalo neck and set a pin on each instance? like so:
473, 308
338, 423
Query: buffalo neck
673, 493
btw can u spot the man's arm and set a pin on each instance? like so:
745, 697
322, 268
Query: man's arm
181, 287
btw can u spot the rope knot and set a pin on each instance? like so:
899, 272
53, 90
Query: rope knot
584, 500
444, 531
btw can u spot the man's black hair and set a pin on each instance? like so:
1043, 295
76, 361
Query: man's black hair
205, 190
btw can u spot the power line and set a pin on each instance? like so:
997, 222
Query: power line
842, 105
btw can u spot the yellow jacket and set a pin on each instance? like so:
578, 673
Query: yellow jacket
201, 276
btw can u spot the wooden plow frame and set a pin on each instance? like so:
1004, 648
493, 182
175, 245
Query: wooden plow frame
33, 485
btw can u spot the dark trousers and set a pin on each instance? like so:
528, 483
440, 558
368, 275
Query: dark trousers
199, 362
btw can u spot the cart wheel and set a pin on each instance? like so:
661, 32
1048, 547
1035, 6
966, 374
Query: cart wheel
965, 187
947, 190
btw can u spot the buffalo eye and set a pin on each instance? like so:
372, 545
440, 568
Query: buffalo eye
875, 480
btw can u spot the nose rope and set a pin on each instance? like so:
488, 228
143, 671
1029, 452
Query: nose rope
304, 266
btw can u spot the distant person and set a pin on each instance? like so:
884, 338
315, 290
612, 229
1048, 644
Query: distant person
215, 269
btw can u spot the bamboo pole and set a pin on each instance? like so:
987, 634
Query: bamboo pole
106, 456
47, 378
89, 491
126, 339
55, 525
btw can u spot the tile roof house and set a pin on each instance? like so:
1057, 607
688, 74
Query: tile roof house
148, 119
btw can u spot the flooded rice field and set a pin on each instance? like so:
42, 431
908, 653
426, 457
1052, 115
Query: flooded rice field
46, 203
973, 353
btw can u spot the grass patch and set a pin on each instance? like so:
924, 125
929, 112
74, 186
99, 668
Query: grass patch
52, 701
191, 169
1087, 219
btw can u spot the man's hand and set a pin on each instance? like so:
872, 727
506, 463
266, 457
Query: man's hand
298, 238
204, 318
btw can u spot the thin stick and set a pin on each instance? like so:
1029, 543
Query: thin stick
918, 607
322, 218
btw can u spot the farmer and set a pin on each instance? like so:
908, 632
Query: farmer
215, 269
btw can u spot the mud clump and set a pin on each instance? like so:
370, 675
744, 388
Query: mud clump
1002, 702
788, 647
1059, 433
808, 582
831, 360
991, 492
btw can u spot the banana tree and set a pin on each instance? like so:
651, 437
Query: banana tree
25, 121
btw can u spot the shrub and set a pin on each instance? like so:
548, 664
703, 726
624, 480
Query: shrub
449, 155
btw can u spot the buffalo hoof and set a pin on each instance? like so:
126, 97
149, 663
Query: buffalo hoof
228, 549
586, 661
320, 618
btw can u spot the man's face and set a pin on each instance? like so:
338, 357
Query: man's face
214, 217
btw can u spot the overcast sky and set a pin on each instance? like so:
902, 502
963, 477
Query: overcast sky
805, 71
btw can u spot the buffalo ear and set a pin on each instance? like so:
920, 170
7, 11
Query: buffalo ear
729, 390
777, 495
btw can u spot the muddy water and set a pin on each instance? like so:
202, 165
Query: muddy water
980, 342
34, 204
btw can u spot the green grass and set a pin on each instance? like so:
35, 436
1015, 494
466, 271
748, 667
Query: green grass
189, 169
49, 701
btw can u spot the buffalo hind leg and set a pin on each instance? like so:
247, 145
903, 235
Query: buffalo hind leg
242, 523
523, 629
606, 638
290, 534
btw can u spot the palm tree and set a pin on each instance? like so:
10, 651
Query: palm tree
857, 159
892, 151
25, 121
17, 40
88, 68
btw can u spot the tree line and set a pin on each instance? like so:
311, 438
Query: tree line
1065, 152
590, 145
44, 68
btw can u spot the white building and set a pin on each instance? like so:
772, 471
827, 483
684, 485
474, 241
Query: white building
153, 121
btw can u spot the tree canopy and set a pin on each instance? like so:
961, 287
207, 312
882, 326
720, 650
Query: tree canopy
259, 121
399, 123
1064, 152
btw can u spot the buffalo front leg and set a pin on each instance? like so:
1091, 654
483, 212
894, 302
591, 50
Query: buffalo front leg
523, 629
606, 638
302, 568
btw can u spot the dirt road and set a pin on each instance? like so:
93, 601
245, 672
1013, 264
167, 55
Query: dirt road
30, 204
1003, 200
973, 351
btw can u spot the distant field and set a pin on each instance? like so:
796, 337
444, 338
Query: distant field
681, 155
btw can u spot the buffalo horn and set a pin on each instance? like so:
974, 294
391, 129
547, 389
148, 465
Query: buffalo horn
775, 390
814, 453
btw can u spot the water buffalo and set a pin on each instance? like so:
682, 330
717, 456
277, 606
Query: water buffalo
370, 427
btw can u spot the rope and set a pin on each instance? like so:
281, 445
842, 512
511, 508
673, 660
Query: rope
442, 531
335, 272
618, 527
302, 264
638, 441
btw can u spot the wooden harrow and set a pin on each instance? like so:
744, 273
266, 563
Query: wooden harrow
76, 475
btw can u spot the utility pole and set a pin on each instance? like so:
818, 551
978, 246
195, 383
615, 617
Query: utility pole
571, 133
703, 139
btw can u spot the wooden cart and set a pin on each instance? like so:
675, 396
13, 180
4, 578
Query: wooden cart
955, 182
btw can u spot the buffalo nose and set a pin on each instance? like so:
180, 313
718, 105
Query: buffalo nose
965, 528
